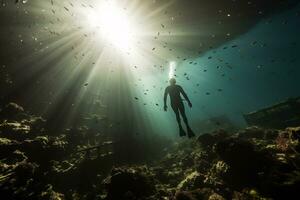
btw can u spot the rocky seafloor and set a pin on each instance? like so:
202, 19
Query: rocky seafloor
252, 163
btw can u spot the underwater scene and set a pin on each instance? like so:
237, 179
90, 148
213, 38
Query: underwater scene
149, 99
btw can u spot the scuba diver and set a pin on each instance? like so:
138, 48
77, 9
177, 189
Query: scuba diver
177, 105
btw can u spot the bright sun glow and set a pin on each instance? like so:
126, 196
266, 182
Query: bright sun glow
113, 24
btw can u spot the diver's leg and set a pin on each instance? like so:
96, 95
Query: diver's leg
176, 111
182, 112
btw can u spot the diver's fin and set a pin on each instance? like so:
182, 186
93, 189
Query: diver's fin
190, 133
181, 132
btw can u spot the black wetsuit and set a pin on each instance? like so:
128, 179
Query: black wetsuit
176, 102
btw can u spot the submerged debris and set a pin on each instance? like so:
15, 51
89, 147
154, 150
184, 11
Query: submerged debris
279, 116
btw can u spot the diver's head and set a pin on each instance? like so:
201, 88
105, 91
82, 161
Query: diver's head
172, 81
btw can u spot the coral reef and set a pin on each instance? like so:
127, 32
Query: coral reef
253, 163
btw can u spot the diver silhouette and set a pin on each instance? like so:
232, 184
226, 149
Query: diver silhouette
174, 92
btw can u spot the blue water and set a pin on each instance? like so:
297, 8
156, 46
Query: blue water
261, 70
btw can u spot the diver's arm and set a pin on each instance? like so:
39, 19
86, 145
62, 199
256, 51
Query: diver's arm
165, 99
185, 96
